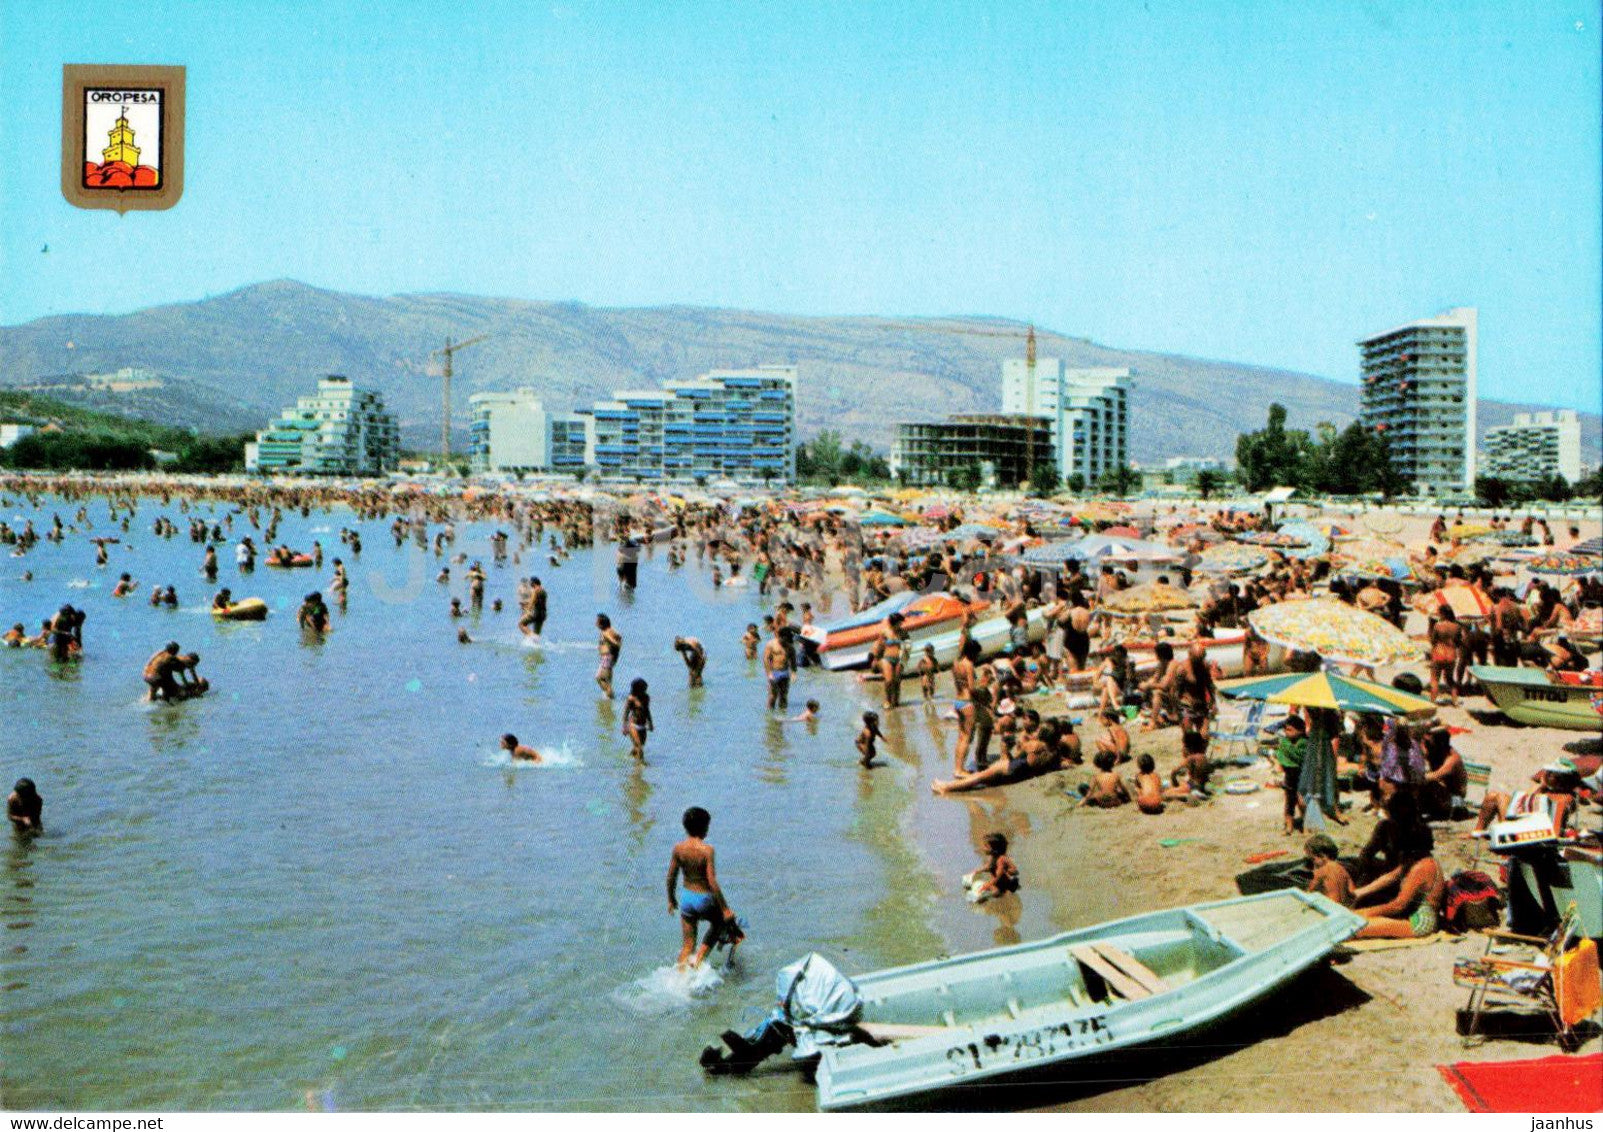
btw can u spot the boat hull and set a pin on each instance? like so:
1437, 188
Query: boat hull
926, 617
992, 1016
1527, 696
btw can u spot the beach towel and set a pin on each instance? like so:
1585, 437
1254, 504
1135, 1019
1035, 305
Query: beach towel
1544, 1084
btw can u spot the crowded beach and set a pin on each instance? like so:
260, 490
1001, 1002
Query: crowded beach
1356, 702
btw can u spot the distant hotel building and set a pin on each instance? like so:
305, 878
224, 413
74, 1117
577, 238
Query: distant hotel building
340, 431
1419, 391
737, 424
1088, 410
995, 446
1537, 446
514, 432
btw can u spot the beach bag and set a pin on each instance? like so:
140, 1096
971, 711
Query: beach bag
1473, 902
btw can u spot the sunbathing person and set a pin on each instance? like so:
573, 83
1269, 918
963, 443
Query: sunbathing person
1114, 738
1554, 795
1415, 911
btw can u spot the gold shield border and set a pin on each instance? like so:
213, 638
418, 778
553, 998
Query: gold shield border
76, 78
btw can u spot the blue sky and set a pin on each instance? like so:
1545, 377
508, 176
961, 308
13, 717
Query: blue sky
1263, 182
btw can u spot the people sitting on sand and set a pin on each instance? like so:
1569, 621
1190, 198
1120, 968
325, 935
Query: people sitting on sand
1148, 786
1330, 877
1447, 780
1189, 781
1553, 796
1114, 738
516, 751
1106, 789
1418, 886
25, 808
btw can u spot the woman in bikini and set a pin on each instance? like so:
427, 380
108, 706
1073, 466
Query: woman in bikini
890, 660
1446, 636
1415, 912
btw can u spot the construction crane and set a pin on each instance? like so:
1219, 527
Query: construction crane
1029, 370
445, 393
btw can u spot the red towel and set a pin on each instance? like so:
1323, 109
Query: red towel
1544, 1084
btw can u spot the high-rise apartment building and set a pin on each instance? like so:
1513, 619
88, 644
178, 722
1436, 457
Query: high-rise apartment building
1419, 391
515, 432
339, 431
1088, 409
737, 424
1537, 446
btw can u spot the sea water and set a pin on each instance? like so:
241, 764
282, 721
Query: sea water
323, 886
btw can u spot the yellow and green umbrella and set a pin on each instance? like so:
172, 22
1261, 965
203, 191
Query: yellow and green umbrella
1327, 690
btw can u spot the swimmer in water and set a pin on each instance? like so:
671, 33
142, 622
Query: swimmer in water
809, 714
125, 586
25, 808
517, 751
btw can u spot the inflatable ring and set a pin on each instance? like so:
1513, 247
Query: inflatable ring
1242, 786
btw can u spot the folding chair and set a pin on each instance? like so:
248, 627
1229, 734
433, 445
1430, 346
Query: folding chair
1559, 976
1242, 731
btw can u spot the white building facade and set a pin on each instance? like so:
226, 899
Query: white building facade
1537, 446
514, 433
1088, 409
11, 433
338, 431
1419, 389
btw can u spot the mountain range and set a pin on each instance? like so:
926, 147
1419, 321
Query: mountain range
229, 359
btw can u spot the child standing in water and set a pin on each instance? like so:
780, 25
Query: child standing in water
637, 718
750, 640
703, 899
926, 673
866, 737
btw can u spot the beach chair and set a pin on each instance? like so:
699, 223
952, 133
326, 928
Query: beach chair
1479, 780
1557, 976
1242, 731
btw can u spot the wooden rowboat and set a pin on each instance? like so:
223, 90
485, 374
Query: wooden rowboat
1569, 700
993, 1015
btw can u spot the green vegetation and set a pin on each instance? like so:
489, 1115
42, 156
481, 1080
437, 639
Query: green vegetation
1351, 461
85, 440
1496, 492
826, 461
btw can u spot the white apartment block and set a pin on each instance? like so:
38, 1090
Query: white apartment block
1418, 390
1088, 409
1537, 446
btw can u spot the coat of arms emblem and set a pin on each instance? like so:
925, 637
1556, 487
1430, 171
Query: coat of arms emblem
122, 136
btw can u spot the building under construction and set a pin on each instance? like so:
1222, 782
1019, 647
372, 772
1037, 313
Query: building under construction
996, 447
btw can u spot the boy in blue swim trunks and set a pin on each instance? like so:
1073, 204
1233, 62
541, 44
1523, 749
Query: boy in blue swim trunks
703, 900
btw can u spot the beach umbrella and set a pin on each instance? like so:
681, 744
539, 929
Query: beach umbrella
1099, 547
881, 519
1567, 563
1315, 541
1149, 597
1334, 630
1274, 540
1592, 548
1327, 690
1053, 553
1466, 602
1394, 567
1231, 558
1122, 531
1468, 530
982, 531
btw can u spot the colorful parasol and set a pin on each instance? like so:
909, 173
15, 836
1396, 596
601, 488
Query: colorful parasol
1466, 602
1564, 564
1335, 631
1327, 690
1315, 541
1272, 539
1149, 597
1231, 558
